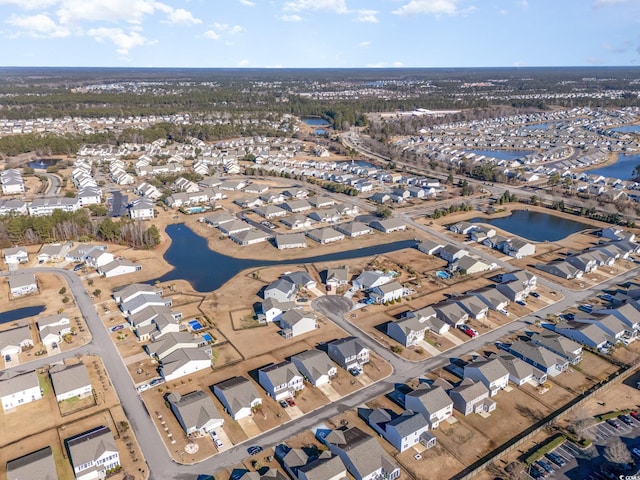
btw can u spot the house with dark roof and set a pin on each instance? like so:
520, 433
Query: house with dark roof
70, 381
35, 465
93, 453
560, 345
363, 456
238, 395
281, 380
471, 397
538, 356
586, 334
195, 412
402, 431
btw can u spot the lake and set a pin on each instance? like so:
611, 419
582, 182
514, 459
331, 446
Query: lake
627, 129
42, 163
540, 126
535, 226
356, 163
502, 154
315, 121
207, 270
622, 169
20, 313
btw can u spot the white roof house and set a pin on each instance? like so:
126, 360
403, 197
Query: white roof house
18, 389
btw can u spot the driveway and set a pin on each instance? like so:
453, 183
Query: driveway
329, 392
249, 426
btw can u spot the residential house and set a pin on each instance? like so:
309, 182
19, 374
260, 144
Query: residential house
99, 258
408, 331
271, 309
402, 431
325, 235
18, 389
492, 297
451, 253
518, 248
329, 215
15, 340
270, 212
53, 328
612, 327
291, 240
218, 218
140, 302
171, 342
281, 290
538, 356
474, 306
238, 395
142, 209
325, 467
184, 361
337, 277
297, 206
472, 397
560, 268
349, 353
430, 247
488, 371
563, 346
297, 221
53, 252
232, 228
520, 372
361, 454
586, 334
451, 312
387, 292
93, 453
250, 237
389, 225
22, 284
15, 255
119, 266
468, 265
463, 228
370, 279
39, 464
628, 313
281, 380
70, 381
129, 292
297, 322
432, 401
315, 366
195, 412
584, 261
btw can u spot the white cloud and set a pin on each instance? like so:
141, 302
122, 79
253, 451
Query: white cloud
122, 40
291, 18
130, 11
364, 44
212, 35
230, 29
30, 4
367, 16
181, 16
429, 7
38, 26
338, 6
247, 3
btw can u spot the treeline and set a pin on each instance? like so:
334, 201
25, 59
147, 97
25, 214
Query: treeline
75, 226
335, 187
443, 212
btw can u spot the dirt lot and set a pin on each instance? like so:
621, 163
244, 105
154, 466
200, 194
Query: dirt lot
40, 423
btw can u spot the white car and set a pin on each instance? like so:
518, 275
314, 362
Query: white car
143, 387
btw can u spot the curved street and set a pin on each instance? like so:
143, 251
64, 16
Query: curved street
334, 308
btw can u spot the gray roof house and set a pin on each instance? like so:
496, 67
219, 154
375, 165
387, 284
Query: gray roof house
35, 465
290, 240
238, 395
430, 247
369, 279
627, 313
297, 322
389, 225
281, 290
559, 345
297, 221
323, 468
354, 229
337, 276
432, 401
195, 412
325, 235
408, 331
390, 291
93, 453
520, 372
171, 342
471, 397
538, 356
22, 284
451, 253
402, 431
18, 389
490, 372
492, 297
348, 353
451, 312
362, 454
281, 380
70, 381
560, 268
609, 324
13, 340
586, 334
316, 366
129, 292
473, 305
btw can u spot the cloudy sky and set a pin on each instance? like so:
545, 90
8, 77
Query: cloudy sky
319, 33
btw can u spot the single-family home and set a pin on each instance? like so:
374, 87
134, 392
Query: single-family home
328, 215
492, 297
560, 345
387, 292
463, 228
321, 201
586, 334
430, 400
39, 464
468, 265
337, 276
451, 312
53, 328
99, 258
325, 235
297, 322
474, 306
271, 309
370, 279
389, 225
518, 248
472, 397
538, 356
18, 389
612, 327
297, 206
140, 302
520, 372
15, 255
402, 431
488, 371
171, 342
270, 211
281, 290
129, 292
451, 253
297, 221
70, 381
430, 247
361, 454
142, 209
349, 353
560, 268
93, 453
628, 313
14, 340
53, 252
238, 395
22, 284
218, 218
281, 380
290, 240
119, 266
184, 361
325, 467
315, 366
195, 412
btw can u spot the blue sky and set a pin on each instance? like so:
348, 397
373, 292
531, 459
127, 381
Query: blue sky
319, 33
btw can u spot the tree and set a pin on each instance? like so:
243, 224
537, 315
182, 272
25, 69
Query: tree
97, 292
62, 291
383, 212
616, 452
636, 170
554, 179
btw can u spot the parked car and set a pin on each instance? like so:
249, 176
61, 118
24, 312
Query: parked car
535, 294
254, 450
143, 387
472, 332
283, 404
504, 312
546, 466
156, 381
7, 358
635, 415
626, 420
636, 452
557, 459
521, 302
78, 267
569, 316
585, 308
290, 402
613, 423
117, 327
355, 371
536, 472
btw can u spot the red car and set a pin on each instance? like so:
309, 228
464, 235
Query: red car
290, 402
635, 415
472, 332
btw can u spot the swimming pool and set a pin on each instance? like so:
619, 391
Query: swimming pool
195, 325
196, 209
442, 274
207, 337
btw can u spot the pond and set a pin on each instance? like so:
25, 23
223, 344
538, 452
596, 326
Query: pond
627, 129
42, 163
622, 169
20, 313
540, 126
535, 226
315, 121
355, 163
502, 154
207, 270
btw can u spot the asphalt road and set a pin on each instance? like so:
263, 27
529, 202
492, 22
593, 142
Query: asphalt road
54, 184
